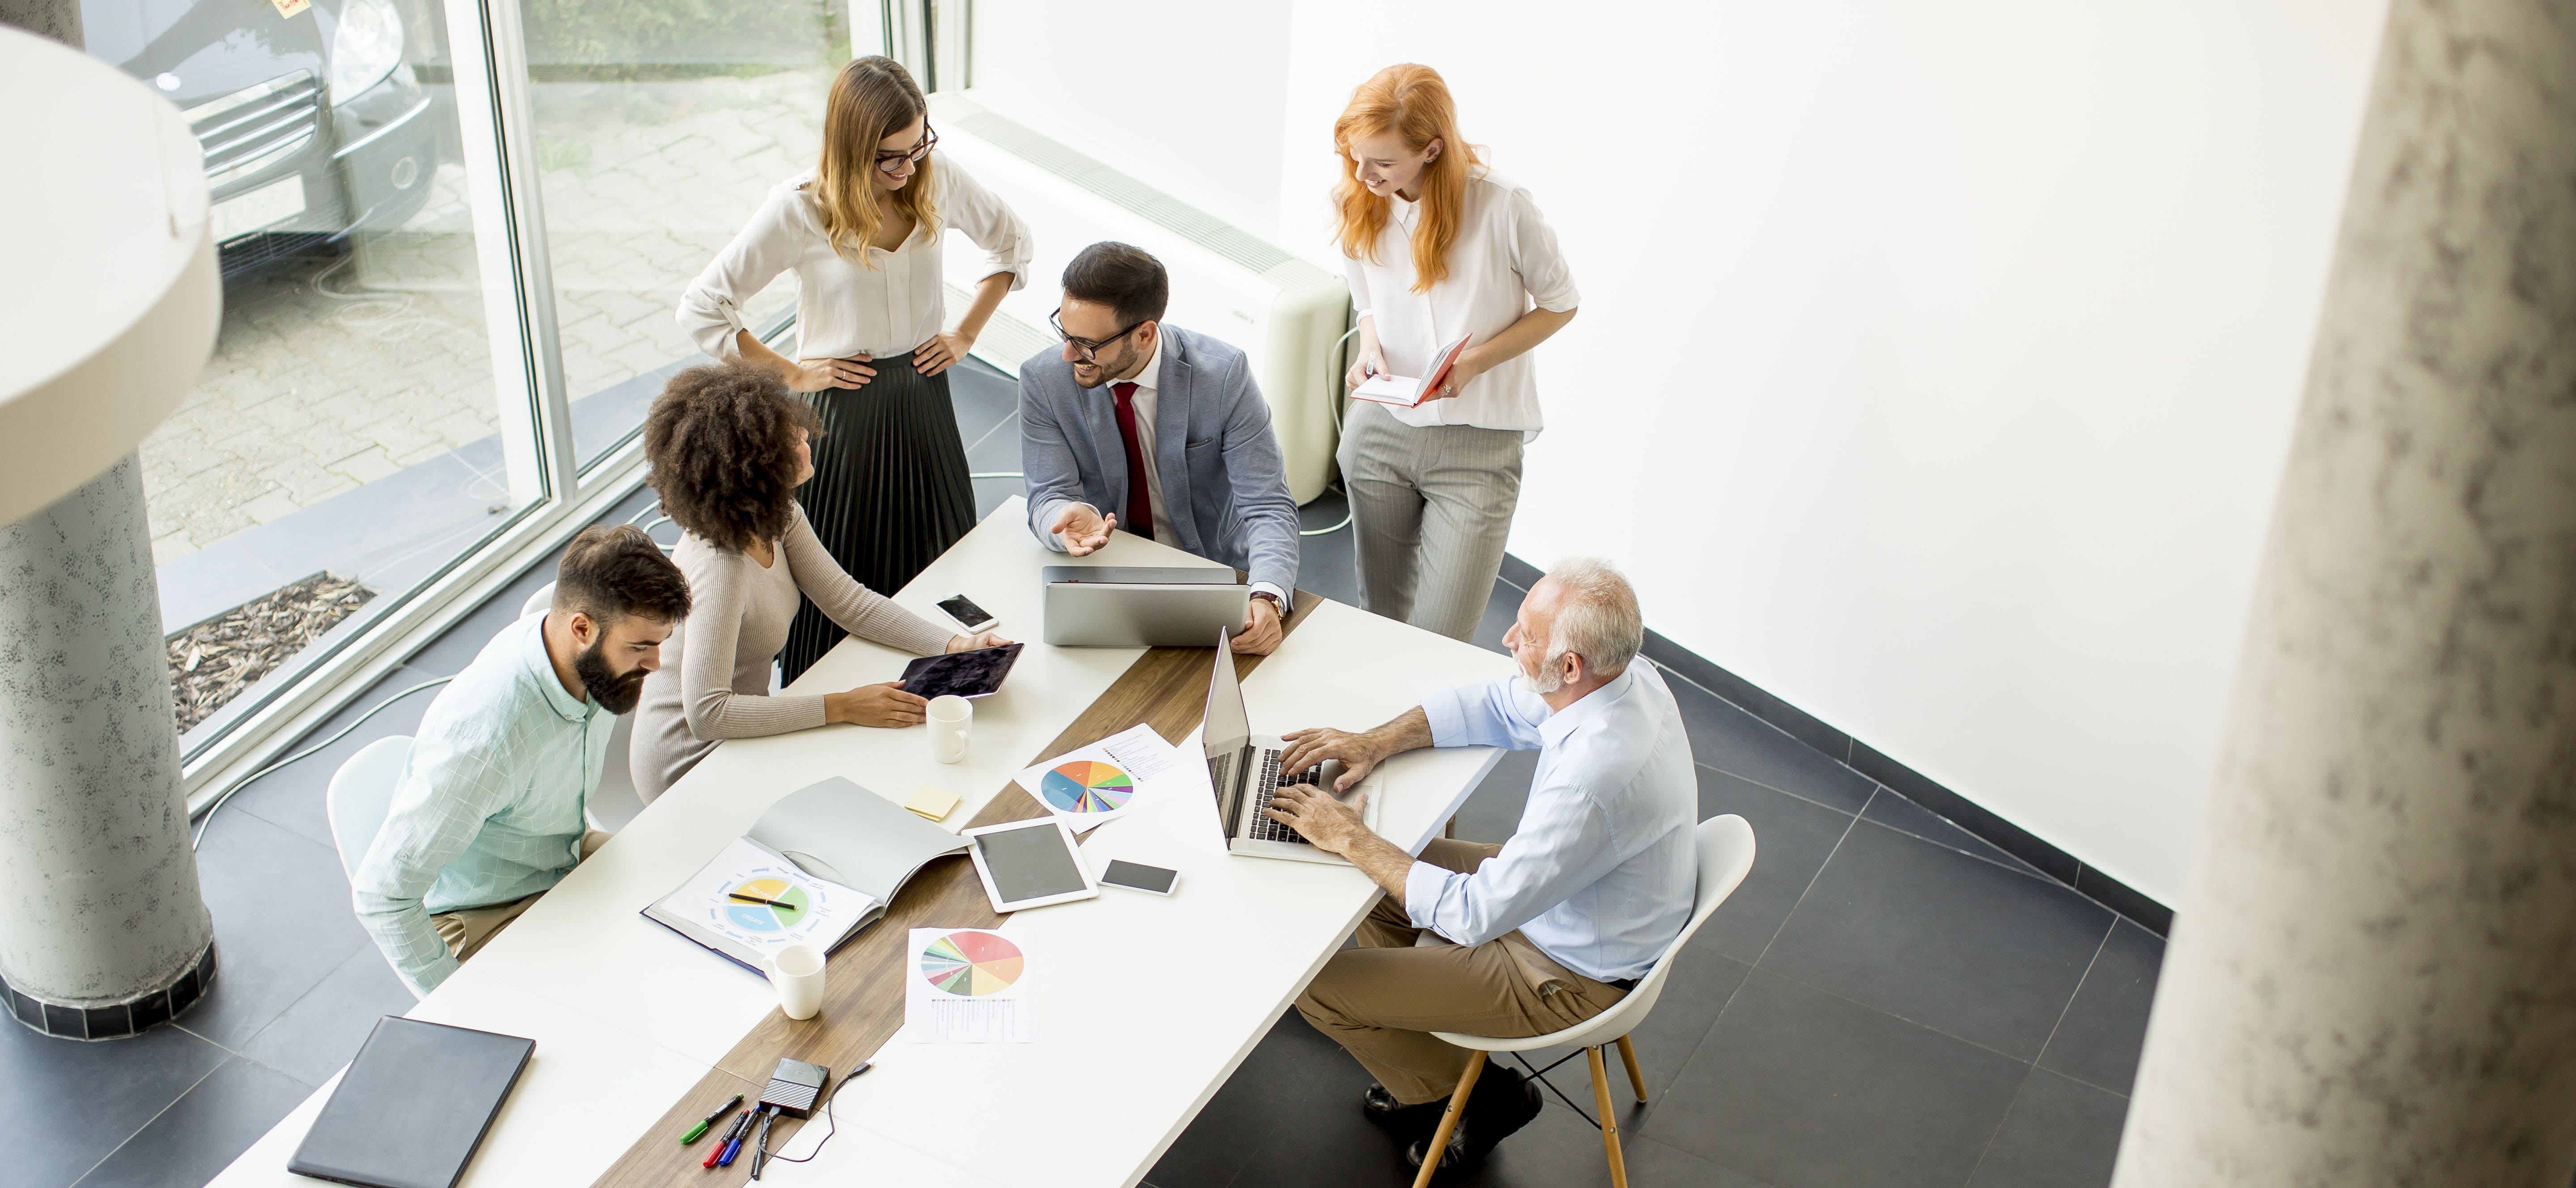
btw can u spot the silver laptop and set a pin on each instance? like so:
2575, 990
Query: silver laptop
1134, 606
1244, 770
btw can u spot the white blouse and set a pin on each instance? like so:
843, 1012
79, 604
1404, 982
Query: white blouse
845, 308
1504, 259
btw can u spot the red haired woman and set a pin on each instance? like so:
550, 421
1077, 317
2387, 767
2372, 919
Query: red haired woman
862, 231
1436, 245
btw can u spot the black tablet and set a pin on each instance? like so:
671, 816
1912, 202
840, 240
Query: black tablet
961, 674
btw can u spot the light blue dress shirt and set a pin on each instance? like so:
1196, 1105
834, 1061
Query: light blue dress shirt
1601, 872
491, 801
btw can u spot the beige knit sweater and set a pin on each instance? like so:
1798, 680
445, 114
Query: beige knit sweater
714, 680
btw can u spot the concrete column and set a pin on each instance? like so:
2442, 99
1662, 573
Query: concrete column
58, 19
2372, 977
102, 931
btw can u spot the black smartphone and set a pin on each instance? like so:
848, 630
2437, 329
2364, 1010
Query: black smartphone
1136, 876
968, 615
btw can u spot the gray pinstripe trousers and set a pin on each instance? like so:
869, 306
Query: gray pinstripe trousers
1432, 507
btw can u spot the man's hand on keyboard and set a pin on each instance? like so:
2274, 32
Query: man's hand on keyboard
1310, 748
1329, 823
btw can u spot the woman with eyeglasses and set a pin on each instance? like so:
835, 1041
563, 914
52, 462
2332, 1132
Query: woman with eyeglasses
862, 231
1436, 245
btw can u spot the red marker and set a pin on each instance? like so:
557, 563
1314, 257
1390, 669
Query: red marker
732, 1142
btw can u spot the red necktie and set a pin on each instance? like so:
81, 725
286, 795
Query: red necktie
1139, 517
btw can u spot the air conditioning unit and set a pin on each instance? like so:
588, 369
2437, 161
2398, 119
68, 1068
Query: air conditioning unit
1288, 315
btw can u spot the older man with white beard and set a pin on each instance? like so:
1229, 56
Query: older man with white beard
1548, 929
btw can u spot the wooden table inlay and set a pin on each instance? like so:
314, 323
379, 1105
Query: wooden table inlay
863, 1001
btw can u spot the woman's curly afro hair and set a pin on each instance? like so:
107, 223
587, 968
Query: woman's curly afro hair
722, 444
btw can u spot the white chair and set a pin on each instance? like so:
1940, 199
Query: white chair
359, 796
1725, 855
616, 801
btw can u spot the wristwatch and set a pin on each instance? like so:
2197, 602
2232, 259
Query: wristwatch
1266, 595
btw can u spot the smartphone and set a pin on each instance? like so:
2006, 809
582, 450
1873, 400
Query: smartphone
968, 615
1136, 876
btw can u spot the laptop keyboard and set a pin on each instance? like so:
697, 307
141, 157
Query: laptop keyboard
1263, 827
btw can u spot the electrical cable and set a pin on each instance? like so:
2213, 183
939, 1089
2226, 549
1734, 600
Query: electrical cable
832, 1122
208, 820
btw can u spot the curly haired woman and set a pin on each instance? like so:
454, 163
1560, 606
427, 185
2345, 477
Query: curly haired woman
729, 446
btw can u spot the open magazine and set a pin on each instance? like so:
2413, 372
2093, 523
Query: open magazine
1406, 393
818, 867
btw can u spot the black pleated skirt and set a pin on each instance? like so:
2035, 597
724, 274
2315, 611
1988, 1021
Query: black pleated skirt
889, 492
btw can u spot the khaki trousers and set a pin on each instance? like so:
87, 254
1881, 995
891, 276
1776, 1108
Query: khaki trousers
467, 930
1380, 1001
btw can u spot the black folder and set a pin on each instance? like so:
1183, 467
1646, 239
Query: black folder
413, 1106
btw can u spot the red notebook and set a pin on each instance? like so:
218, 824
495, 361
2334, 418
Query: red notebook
1407, 393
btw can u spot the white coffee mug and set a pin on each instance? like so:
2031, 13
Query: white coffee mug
949, 718
796, 971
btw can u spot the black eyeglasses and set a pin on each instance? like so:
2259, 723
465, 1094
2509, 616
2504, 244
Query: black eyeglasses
1089, 350
890, 162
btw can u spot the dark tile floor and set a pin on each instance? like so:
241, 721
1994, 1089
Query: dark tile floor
1886, 1002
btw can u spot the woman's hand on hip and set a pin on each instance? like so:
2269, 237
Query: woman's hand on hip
941, 352
874, 705
814, 375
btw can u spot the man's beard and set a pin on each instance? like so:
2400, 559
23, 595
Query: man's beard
614, 693
1552, 679
1108, 368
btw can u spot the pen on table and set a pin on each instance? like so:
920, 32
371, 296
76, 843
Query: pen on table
731, 1142
756, 899
699, 1131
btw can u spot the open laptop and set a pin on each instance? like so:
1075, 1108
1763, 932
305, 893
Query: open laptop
1131, 606
1244, 770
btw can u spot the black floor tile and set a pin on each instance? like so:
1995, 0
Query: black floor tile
1791, 839
2098, 1041
1905, 816
1558, 1149
1959, 945
996, 449
203, 1132
292, 797
982, 396
1806, 1090
1493, 811
282, 922
1325, 563
1297, 1122
318, 1035
73, 1102
1738, 743
1501, 608
2059, 1134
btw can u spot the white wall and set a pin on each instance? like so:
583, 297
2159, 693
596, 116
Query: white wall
1935, 363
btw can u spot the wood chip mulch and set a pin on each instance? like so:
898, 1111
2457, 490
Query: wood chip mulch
214, 661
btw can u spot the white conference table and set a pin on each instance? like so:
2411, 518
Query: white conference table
1148, 1003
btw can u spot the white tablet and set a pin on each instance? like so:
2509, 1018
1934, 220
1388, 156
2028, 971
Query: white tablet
1026, 864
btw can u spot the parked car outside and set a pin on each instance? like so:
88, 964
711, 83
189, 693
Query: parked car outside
313, 123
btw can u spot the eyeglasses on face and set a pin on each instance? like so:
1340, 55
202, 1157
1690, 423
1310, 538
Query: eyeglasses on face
1089, 350
893, 162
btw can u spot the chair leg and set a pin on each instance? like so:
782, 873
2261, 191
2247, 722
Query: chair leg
1449, 1121
1628, 1056
1609, 1121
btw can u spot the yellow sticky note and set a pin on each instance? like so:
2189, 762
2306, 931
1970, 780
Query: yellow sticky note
932, 802
288, 8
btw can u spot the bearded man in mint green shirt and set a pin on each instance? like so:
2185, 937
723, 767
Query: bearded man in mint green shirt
490, 811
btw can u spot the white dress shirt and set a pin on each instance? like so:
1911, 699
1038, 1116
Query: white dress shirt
1601, 872
1143, 403
1504, 260
845, 308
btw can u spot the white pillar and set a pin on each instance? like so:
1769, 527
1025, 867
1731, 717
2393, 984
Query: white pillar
102, 932
2372, 975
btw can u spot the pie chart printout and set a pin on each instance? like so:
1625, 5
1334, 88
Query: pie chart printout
1087, 786
971, 962
763, 917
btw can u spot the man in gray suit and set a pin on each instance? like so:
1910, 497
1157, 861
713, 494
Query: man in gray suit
1155, 429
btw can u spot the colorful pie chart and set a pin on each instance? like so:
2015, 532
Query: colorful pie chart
972, 962
1086, 786
766, 917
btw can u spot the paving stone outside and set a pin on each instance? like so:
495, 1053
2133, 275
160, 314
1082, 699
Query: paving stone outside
329, 374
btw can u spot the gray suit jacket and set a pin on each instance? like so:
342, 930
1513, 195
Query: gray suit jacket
1213, 450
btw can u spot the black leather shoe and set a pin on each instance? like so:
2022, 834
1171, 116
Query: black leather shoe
1502, 1102
1383, 1109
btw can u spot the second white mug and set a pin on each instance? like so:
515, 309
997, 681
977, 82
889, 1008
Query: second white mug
796, 972
950, 717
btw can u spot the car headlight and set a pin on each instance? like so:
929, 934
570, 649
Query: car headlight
366, 45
